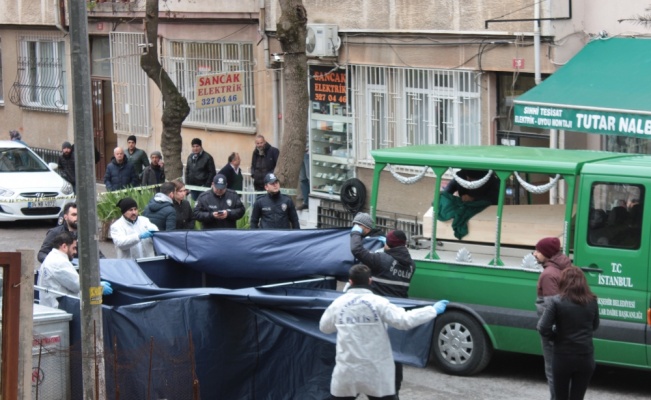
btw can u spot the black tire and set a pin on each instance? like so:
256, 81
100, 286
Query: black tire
460, 346
353, 195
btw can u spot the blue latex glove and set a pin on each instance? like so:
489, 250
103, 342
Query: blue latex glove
106, 288
382, 239
440, 306
357, 228
146, 235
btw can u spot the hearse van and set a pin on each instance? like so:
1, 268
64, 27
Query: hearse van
490, 275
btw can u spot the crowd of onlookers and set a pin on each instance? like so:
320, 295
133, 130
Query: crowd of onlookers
216, 194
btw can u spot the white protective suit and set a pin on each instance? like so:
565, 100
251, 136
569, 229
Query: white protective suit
57, 273
364, 361
126, 238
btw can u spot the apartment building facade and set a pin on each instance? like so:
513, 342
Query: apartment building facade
381, 74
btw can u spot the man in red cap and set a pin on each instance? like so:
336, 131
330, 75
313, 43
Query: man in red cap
548, 253
392, 269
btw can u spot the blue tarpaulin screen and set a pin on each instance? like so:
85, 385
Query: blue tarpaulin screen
277, 254
248, 342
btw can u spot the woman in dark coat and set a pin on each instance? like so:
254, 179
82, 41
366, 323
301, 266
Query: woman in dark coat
569, 320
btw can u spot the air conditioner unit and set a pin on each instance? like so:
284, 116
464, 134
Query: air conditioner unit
322, 40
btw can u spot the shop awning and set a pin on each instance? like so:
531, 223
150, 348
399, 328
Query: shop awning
605, 88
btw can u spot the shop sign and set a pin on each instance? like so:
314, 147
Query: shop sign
327, 85
216, 90
582, 120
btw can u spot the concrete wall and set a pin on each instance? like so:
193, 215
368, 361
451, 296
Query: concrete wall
38, 128
413, 15
28, 12
173, 9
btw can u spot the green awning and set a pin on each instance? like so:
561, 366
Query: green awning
605, 88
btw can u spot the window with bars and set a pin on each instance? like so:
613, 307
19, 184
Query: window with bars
409, 106
184, 61
131, 113
41, 74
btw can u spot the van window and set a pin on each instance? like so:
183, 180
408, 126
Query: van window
615, 218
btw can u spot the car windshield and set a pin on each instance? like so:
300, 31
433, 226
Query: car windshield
20, 160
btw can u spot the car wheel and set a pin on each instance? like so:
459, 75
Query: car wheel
459, 346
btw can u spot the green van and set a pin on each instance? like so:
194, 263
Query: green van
490, 275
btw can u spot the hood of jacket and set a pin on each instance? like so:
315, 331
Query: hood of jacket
559, 261
400, 254
159, 202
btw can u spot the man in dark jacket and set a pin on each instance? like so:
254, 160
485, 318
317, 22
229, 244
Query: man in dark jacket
184, 214
274, 210
219, 207
119, 173
66, 164
136, 157
392, 269
69, 225
232, 172
263, 162
200, 168
154, 174
160, 210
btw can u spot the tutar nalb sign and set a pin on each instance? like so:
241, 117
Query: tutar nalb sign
215, 90
583, 120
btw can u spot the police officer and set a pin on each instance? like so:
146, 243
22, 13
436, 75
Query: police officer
274, 210
392, 269
219, 207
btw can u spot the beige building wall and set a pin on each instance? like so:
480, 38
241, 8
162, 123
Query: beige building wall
238, 23
29, 12
590, 18
38, 128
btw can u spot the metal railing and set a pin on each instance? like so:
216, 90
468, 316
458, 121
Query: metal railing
47, 155
331, 214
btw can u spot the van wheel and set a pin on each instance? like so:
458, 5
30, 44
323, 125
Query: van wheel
460, 346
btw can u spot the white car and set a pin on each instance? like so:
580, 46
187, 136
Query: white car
29, 188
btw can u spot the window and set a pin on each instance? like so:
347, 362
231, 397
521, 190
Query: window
184, 61
41, 77
625, 144
410, 106
130, 84
616, 215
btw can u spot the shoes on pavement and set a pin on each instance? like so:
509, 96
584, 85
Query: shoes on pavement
303, 207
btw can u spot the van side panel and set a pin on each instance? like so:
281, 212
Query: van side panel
503, 297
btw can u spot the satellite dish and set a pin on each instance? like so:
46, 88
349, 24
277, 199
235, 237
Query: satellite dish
310, 40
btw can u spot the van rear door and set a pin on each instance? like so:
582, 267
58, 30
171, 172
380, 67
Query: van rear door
612, 247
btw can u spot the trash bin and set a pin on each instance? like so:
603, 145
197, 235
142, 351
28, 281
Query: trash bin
51, 354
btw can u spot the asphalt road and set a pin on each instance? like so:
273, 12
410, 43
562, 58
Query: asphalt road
508, 376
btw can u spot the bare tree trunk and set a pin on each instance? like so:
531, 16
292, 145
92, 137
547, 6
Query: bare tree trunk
291, 30
175, 106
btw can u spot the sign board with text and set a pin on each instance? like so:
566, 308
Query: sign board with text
216, 90
327, 85
583, 120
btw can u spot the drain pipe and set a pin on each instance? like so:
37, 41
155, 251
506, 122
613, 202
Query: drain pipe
536, 43
274, 73
267, 64
553, 134
263, 34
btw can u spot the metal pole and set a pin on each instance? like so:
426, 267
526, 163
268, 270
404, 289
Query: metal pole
91, 292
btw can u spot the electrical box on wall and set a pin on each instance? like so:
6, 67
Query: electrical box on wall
322, 40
